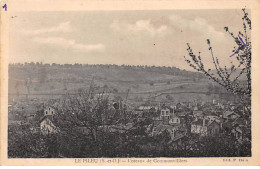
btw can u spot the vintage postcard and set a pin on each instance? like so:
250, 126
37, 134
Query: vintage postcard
130, 82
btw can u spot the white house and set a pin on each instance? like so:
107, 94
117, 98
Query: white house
165, 113
47, 126
174, 120
49, 111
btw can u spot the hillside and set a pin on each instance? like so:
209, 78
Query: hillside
141, 81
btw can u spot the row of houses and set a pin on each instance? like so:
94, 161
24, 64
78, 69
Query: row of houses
204, 123
179, 123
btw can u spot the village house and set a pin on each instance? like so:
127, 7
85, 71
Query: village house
49, 111
47, 126
181, 107
165, 113
175, 120
227, 128
144, 110
240, 121
195, 108
198, 114
230, 115
241, 133
34, 129
30, 117
219, 106
161, 128
214, 102
138, 113
212, 116
232, 106
205, 127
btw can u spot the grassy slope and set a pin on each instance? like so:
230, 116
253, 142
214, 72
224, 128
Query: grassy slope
51, 80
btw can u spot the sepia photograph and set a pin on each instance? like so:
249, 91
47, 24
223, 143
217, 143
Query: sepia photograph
160, 83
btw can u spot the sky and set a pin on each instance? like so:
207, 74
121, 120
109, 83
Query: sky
155, 37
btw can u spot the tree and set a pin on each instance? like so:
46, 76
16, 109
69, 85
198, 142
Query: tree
42, 74
28, 83
86, 110
169, 97
230, 78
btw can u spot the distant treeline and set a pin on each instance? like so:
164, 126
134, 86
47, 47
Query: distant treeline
158, 69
